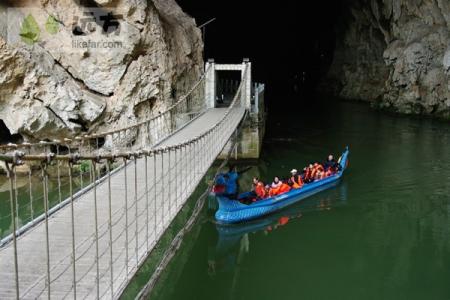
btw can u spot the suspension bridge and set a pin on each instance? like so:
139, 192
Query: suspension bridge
90, 245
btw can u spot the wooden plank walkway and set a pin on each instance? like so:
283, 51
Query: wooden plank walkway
138, 221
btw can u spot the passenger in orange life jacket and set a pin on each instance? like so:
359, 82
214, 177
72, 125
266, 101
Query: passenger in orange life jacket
276, 183
316, 168
275, 187
258, 188
295, 181
267, 188
284, 188
278, 187
307, 178
320, 175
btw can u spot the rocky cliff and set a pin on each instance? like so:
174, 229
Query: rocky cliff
73, 66
395, 54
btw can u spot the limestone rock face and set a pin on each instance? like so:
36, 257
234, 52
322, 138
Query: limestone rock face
88, 66
395, 54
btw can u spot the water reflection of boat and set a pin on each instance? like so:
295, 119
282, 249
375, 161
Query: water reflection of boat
234, 242
290, 212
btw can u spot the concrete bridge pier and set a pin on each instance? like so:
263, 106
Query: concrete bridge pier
252, 132
250, 137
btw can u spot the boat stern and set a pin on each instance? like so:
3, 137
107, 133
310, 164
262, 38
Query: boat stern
226, 208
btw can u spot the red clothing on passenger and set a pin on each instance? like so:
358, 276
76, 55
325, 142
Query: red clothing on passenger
260, 190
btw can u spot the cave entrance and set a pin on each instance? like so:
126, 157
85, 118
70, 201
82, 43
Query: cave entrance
227, 84
6, 136
223, 80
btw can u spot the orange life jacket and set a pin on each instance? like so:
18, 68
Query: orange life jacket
308, 173
285, 188
260, 190
296, 184
274, 191
316, 169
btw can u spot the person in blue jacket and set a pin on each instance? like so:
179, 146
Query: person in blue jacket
231, 182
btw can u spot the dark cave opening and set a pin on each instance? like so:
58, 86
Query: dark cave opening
6, 136
290, 44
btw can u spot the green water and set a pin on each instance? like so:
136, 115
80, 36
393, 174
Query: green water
30, 208
382, 233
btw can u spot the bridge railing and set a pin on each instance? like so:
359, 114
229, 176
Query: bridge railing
144, 134
157, 182
152, 130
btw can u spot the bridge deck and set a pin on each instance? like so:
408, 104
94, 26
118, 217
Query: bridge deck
196, 127
130, 204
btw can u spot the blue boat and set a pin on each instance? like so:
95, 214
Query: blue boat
232, 211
